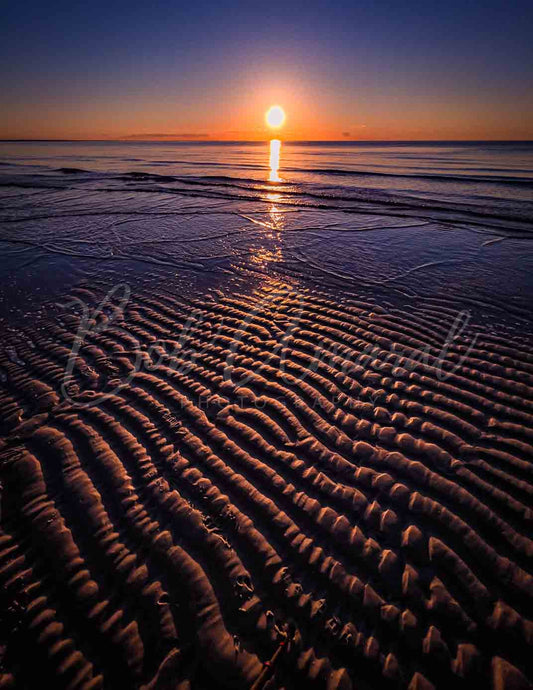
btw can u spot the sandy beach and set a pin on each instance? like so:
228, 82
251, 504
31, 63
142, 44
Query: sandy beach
263, 480
240, 481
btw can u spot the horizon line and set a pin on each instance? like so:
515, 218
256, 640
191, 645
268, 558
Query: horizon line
206, 141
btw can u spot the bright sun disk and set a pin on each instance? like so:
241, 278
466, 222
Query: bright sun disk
275, 116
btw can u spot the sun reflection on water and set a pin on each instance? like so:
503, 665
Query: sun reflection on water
270, 252
275, 148
276, 216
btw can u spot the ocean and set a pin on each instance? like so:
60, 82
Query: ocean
400, 219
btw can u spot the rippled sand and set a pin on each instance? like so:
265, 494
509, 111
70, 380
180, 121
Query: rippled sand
275, 456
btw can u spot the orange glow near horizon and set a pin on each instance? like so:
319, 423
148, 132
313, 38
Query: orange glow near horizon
310, 116
275, 148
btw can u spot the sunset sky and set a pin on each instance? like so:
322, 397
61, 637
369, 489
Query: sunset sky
210, 70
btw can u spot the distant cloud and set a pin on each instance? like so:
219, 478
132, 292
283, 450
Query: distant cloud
158, 135
346, 135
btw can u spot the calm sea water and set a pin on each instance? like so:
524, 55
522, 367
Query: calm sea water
478, 175
411, 219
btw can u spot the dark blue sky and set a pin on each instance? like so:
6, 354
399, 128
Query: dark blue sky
368, 69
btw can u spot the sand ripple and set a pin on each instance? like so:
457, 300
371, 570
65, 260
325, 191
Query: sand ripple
276, 456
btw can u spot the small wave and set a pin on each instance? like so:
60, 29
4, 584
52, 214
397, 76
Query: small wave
347, 199
145, 176
466, 179
71, 171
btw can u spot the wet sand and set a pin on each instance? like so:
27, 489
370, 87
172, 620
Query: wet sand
214, 468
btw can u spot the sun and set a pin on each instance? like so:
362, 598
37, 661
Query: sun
275, 116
